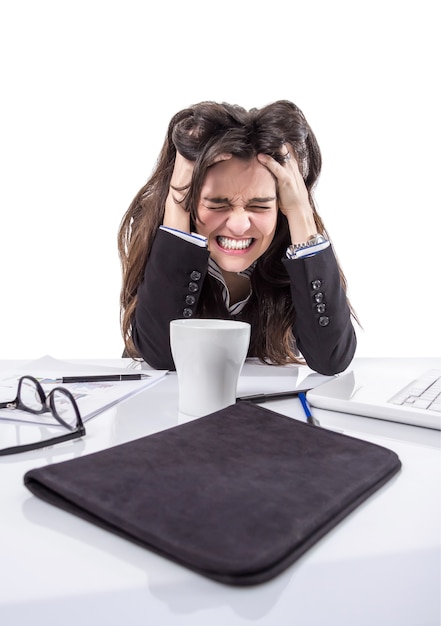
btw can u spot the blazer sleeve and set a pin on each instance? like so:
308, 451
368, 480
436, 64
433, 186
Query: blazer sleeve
323, 329
170, 290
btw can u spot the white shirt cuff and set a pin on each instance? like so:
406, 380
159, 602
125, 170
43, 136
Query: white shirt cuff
303, 253
195, 238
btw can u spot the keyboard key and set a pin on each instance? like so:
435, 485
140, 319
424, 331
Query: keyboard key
423, 393
421, 403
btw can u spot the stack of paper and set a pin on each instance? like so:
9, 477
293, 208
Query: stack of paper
91, 397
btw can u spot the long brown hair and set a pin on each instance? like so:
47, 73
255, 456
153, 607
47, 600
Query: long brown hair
201, 133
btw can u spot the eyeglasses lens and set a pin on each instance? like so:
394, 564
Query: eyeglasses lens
64, 408
29, 395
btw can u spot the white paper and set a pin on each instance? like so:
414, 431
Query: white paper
92, 398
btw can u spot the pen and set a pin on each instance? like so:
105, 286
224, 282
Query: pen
266, 397
309, 418
101, 379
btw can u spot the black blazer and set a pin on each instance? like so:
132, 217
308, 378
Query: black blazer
171, 288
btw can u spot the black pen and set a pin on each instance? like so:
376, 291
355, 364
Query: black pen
100, 378
266, 397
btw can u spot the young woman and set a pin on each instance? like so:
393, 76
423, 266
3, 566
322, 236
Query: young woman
226, 227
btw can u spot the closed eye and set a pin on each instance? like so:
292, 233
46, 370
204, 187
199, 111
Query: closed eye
261, 204
254, 204
222, 207
216, 204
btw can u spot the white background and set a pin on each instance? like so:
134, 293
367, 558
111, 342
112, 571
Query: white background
88, 88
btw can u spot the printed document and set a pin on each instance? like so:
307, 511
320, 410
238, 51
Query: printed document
92, 397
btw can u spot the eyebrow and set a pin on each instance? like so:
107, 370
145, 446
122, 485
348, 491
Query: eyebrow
250, 201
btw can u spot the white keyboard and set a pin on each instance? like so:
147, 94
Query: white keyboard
422, 393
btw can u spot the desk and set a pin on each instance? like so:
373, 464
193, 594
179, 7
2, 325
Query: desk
380, 566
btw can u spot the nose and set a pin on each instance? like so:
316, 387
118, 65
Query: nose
238, 222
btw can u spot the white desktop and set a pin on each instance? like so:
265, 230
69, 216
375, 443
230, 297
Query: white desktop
381, 565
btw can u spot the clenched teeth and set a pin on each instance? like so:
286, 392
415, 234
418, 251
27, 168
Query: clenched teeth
234, 244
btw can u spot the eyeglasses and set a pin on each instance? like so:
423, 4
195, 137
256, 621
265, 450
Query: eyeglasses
60, 402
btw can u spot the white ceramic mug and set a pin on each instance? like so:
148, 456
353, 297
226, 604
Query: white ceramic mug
209, 355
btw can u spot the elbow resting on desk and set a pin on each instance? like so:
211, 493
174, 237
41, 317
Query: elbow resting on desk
336, 361
156, 354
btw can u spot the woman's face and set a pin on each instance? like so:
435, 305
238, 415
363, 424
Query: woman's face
237, 212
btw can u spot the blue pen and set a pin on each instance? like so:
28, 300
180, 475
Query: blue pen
309, 418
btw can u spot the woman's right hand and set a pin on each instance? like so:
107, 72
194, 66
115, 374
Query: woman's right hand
175, 216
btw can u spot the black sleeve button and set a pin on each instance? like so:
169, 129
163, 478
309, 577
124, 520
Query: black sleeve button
323, 320
316, 284
195, 275
318, 297
187, 312
193, 287
190, 300
320, 308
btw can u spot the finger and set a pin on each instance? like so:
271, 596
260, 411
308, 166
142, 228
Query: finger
225, 156
272, 165
277, 162
182, 173
290, 160
285, 153
268, 161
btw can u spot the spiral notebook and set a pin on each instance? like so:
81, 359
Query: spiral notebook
237, 496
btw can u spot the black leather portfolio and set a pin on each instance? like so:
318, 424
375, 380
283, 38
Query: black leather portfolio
237, 495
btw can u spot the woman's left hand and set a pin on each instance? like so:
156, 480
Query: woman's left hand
293, 195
